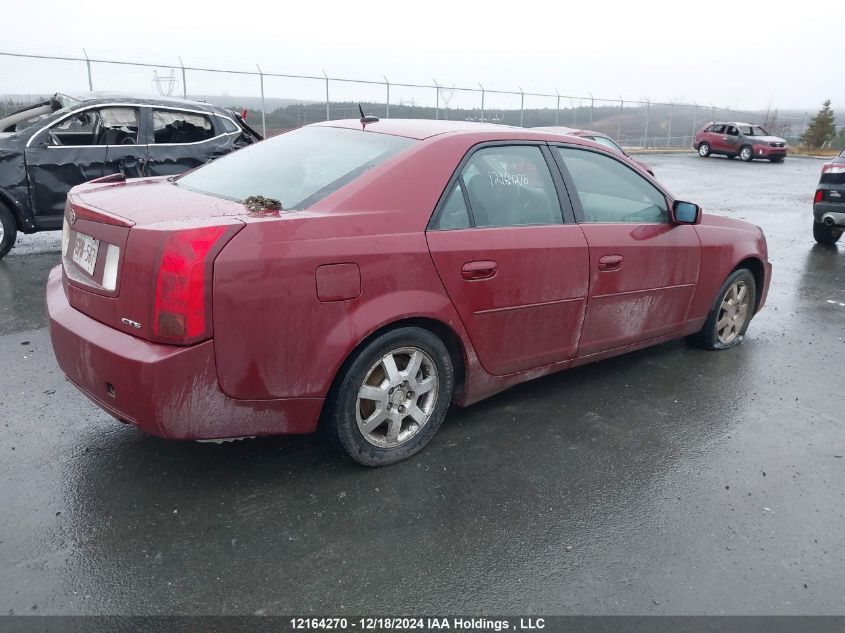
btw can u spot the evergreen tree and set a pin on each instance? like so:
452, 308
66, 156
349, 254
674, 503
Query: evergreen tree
821, 129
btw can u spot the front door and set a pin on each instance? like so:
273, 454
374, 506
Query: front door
643, 267
515, 271
717, 138
732, 139
74, 150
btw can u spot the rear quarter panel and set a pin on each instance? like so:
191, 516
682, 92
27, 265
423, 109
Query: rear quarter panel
274, 337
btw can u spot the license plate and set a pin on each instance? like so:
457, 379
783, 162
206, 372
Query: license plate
85, 252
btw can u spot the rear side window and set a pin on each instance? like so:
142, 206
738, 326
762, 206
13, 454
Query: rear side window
610, 191
732, 131
511, 186
603, 140
454, 214
229, 126
172, 126
297, 168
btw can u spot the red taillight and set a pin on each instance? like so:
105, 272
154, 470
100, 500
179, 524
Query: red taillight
833, 168
180, 312
818, 197
243, 115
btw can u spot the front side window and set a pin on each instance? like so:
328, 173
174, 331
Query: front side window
297, 168
172, 126
511, 186
105, 126
610, 191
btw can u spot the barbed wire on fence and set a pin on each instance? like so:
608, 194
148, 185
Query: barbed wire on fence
286, 100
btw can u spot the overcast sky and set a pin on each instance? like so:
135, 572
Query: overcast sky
737, 54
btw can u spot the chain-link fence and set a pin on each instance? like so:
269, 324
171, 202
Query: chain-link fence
276, 102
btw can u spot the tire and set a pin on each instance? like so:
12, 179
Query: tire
8, 230
704, 150
746, 154
389, 397
714, 336
825, 234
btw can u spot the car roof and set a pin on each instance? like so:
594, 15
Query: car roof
116, 97
423, 128
570, 131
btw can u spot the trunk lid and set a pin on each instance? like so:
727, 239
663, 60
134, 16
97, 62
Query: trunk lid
114, 235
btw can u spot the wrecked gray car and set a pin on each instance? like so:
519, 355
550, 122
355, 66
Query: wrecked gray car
49, 147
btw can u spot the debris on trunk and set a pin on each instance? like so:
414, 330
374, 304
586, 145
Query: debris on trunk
260, 204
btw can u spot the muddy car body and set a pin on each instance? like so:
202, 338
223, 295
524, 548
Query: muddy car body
52, 146
399, 268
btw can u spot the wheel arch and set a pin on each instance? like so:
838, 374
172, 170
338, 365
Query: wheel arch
757, 269
445, 332
16, 209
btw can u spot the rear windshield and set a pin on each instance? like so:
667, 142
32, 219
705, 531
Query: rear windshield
297, 168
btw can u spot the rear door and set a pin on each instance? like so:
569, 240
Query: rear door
643, 267
515, 270
716, 137
183, 139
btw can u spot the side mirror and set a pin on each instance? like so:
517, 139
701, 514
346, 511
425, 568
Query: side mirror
685, 212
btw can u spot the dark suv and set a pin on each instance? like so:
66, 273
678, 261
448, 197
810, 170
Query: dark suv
829, 202
745, 140
49, 147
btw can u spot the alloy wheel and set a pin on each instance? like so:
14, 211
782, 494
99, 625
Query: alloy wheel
733, 313
397, 397
746, 153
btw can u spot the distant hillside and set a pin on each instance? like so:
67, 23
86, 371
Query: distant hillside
253, 103
654, 126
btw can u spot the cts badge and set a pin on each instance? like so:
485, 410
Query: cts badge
72, 216
131, 323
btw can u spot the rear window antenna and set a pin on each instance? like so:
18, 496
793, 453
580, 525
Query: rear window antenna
366, 118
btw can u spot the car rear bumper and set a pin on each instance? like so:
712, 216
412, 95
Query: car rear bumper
165, 390
835, 209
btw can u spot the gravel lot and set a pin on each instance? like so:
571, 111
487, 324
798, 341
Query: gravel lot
670, 480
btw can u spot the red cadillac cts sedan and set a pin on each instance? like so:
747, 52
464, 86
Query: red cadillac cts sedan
367, 276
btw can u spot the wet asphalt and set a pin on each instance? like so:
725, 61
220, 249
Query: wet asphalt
670, 480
